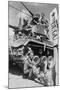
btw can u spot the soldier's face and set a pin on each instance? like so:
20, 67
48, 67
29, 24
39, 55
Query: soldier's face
31, 55
50, 63
45, 63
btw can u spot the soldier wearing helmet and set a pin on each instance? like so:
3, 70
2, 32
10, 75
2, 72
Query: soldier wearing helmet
35, 19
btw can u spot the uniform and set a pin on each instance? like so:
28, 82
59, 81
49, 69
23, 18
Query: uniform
27, 65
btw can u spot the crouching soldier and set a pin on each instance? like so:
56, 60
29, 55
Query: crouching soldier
28, 63
35, 67
43, 71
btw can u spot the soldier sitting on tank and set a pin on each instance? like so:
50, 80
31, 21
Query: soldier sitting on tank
44, 21
26, 24
35, 19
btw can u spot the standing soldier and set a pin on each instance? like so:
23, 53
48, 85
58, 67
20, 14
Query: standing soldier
51, 74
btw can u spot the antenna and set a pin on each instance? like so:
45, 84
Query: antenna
19, 10
27, 9
19, 24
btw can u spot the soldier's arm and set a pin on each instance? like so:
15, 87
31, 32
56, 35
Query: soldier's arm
30, 62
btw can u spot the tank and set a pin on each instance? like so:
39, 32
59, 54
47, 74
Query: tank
32, 34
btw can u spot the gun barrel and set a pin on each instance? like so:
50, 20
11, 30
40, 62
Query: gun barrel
14, 27
27, 9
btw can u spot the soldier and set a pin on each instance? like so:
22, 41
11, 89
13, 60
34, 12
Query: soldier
45, 23
35, 19
43, 65
28, 63
51, 74
35, 67
44, 20
43, 70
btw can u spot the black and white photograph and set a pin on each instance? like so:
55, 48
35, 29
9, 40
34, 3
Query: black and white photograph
33, 44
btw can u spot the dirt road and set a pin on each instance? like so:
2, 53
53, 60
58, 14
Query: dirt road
17, 82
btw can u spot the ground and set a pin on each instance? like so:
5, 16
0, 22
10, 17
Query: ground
16, 79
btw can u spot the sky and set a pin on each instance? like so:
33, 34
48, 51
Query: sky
34, 7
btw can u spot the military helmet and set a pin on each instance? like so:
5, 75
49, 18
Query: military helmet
37, 15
